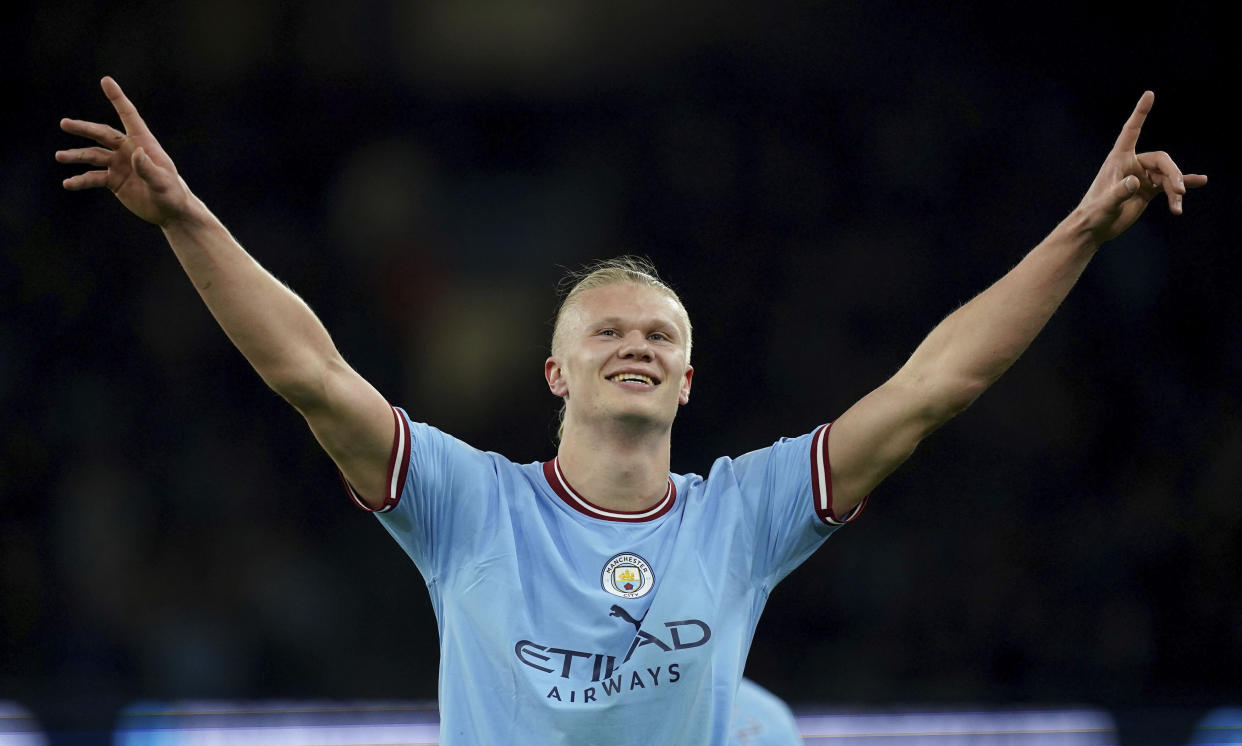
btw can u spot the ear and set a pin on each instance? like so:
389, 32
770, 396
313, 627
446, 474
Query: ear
555, 376
684, 396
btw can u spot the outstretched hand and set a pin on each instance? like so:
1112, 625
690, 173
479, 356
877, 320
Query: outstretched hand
1129, 180
131, 164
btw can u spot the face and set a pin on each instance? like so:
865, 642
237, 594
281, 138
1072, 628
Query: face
621, 356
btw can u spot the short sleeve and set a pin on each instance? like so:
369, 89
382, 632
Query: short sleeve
397, 463
821, 482
440, 493
786, 490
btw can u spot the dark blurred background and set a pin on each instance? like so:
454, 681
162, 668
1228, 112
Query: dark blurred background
822, 182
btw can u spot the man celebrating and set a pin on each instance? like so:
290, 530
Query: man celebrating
597, 598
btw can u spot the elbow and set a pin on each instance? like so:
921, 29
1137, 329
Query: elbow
965, 391
303, 386
298, 394
944, 398
953, 397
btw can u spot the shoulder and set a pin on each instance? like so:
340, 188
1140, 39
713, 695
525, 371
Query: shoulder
429, 441
794, 457
435, 462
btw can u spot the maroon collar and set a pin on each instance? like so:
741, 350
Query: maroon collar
556, 479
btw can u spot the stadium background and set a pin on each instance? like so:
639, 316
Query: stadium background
821, 181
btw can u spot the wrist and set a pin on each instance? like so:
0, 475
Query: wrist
192, 214
1076, 231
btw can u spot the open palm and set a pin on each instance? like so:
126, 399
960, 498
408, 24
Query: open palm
131, 163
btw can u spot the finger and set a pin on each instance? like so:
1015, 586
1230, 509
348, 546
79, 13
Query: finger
88, 180
145, 167
86, 156
1167, 176
124, 108
106, 136
1129, 136
1151, 187
1191, 181
1121, 191
1165, 171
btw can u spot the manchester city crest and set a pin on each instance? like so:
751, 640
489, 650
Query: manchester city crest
628, 576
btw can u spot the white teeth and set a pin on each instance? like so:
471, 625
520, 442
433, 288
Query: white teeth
633, 378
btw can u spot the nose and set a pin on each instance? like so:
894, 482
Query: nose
635, 346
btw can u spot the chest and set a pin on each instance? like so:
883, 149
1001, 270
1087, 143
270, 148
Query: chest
578, 600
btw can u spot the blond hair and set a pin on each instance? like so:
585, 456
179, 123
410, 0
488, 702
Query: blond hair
621, 270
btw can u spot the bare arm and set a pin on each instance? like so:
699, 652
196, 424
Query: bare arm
974, 345
271, 326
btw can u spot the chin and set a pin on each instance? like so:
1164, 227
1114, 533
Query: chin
643, 421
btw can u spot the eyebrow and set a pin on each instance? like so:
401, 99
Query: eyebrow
650, 323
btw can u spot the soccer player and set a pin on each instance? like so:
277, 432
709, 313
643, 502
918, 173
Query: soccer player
597, 598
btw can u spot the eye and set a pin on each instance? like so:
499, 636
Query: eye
608, 332
658, 337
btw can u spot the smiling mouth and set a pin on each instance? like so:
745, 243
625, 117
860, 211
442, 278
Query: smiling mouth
632, 378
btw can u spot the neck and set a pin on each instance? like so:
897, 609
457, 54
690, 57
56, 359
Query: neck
615, 469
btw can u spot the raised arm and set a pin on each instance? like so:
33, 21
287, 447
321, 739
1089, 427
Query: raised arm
973, 346
271, 326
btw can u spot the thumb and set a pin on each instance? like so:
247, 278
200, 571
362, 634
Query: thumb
1123, 190
144, 166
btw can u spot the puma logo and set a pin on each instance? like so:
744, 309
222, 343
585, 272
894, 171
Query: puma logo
621, 613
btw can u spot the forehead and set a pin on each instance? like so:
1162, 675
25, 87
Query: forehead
638, 304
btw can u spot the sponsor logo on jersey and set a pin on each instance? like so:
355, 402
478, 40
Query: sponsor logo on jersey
627, 575
568, 668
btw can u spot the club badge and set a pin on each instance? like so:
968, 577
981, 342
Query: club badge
628, 576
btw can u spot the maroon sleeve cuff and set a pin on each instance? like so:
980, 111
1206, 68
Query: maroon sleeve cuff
821, 482
397, 468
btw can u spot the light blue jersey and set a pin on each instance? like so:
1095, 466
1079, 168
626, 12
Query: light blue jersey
564, 623
760, 718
